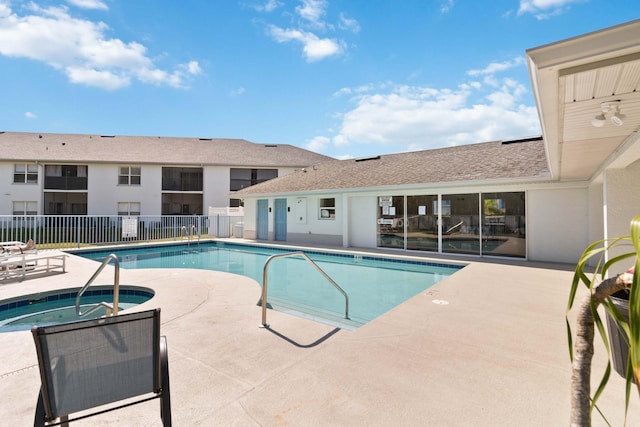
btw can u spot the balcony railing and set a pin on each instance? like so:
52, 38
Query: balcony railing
65, 183
73, 231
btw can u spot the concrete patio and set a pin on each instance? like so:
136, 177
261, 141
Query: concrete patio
495, 355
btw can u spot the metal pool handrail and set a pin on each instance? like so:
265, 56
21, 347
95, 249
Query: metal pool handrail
112, 310
309, 260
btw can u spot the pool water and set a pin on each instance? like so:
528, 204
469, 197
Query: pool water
55, 307
374, 284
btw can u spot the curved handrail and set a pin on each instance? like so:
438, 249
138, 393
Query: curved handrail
306, 257
454, 227
112, 310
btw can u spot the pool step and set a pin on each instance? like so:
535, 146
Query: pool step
327, 318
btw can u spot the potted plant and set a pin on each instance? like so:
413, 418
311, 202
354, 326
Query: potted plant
601, 287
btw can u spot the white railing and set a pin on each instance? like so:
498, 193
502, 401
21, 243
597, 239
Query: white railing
74, 231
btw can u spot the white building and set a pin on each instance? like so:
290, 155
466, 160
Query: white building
62, 174
541, 198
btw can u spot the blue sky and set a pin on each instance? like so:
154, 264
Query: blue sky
346, 78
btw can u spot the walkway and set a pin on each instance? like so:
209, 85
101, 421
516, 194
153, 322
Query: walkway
495, 355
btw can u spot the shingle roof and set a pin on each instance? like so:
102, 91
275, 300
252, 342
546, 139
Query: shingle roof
47, 147
515, 159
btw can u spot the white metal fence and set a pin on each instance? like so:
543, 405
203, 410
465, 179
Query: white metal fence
70, 231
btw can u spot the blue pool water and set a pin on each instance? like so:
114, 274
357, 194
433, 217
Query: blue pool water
48, 308
374, 284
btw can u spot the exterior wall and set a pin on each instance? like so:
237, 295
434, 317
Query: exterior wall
10, 192
621, 200
304, 224
217, 181
104, 193
558, 224
362, 222
250, 220
596, 212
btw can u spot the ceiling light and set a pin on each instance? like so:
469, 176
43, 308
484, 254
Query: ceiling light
618, 118
598, 121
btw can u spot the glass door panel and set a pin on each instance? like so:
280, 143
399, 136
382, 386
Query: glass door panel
461, 223
391, 222
503, 224
422, 223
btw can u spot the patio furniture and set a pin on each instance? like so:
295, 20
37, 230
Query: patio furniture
19, 265
19, 247
96, 364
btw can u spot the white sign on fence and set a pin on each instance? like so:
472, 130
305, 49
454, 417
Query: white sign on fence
129, 226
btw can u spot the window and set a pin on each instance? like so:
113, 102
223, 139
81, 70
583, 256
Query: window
25, 208
181, 204
242, 178
25, 173
129, 175
181, 179
327, 208
129, 208
65, 177
59, 203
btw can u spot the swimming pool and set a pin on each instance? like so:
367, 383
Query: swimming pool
374, 284
48, 308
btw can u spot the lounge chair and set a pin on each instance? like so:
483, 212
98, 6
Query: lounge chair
94, 364
19, 247
20, 264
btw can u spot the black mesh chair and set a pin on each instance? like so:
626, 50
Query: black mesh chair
95, 366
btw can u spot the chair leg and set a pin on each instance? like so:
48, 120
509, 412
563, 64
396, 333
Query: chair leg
165, 400
39, 418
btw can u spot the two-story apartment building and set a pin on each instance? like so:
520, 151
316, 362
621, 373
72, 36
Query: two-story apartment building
71, 174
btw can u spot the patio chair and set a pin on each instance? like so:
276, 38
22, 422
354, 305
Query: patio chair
96, 364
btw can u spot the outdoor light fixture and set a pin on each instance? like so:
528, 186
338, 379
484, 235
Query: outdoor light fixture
598, 121
617, 118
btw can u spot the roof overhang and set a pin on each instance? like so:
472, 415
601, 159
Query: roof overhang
571, 79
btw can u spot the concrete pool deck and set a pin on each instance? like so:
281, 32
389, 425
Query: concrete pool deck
495, 354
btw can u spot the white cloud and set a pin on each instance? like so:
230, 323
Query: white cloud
30, 115
313, 11
269, 6
102, 79
495, 67
318, 144
348, 24
89, 4
193, 68
446, 6
408, 118
543, 9
81, 50
237, 92
314, 48
309, 28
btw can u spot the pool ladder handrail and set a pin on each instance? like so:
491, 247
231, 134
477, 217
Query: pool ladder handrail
111, 309
192, 231
310, 261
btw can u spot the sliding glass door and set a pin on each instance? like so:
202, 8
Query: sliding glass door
422, 223
503, 224
391, 222
461, 223
467, 223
